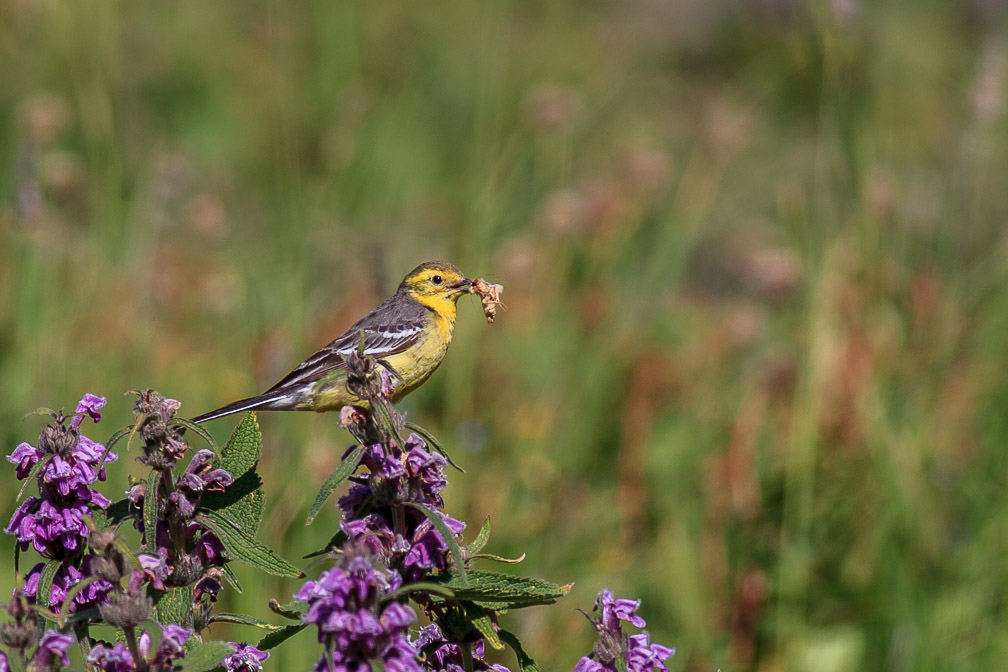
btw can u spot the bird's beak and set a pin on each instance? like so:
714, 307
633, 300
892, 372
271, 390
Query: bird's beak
464, 285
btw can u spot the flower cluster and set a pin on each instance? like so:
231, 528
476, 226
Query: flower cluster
53, 523
355, 621
66, 464
639, 654
119, 657
246, 658
444, 656
401, 535
163, 445
190, 551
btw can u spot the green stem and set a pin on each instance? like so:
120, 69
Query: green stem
177, 530
467, 659
131, 642
84, 644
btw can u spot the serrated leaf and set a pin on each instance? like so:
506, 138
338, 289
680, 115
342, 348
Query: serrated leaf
204, 656
243, 619
150, 511
243, 501
274, 639
240, 546
44, 590
174, 606
481, 539
447, 535
504, 590
483, 624
347, 466
525, 662
292, 610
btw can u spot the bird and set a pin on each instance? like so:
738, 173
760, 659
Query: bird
409, 332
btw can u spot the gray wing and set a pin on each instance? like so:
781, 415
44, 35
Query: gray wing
390, 328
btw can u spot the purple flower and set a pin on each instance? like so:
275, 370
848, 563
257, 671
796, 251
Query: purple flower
245, 658
172, 644
53, 523
119, 659
67, 576
4, 663
397, 478
112, 658
345, 604
88, 405
444, 656
52, 645
198, 477
637, 650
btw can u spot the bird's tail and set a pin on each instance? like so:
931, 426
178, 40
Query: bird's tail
270, 400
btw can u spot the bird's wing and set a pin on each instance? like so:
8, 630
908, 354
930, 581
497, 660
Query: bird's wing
390, 328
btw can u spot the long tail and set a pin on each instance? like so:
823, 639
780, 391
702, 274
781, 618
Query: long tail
264, 401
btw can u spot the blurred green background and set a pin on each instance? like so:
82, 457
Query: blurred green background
755, 258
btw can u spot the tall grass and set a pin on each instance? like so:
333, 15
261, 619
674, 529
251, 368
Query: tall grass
754, 258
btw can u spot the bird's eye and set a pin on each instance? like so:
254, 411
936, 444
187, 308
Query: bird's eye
436, 279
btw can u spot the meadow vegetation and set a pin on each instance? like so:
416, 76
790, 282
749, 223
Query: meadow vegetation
755, 260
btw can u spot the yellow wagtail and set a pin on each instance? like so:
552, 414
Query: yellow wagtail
410, 332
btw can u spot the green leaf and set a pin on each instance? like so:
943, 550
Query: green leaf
229, 575
241, 546
346, 467
119, 434
498, 558
376, 665
204, 656
336, 540
431, 442
44, 590
447, 535
274, 639
419, 587
481, 620
525, 662
199, 430
502, 590
481, 539
242, 503
32, 476
72, 593
150, 511
243, 619
292, 610
174, 606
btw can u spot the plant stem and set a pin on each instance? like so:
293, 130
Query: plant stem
131, 641
467, 659
84, 644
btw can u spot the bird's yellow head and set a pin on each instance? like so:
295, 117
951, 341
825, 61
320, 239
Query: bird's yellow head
437, 285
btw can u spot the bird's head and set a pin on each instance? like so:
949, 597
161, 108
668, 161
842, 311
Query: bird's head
436, 284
